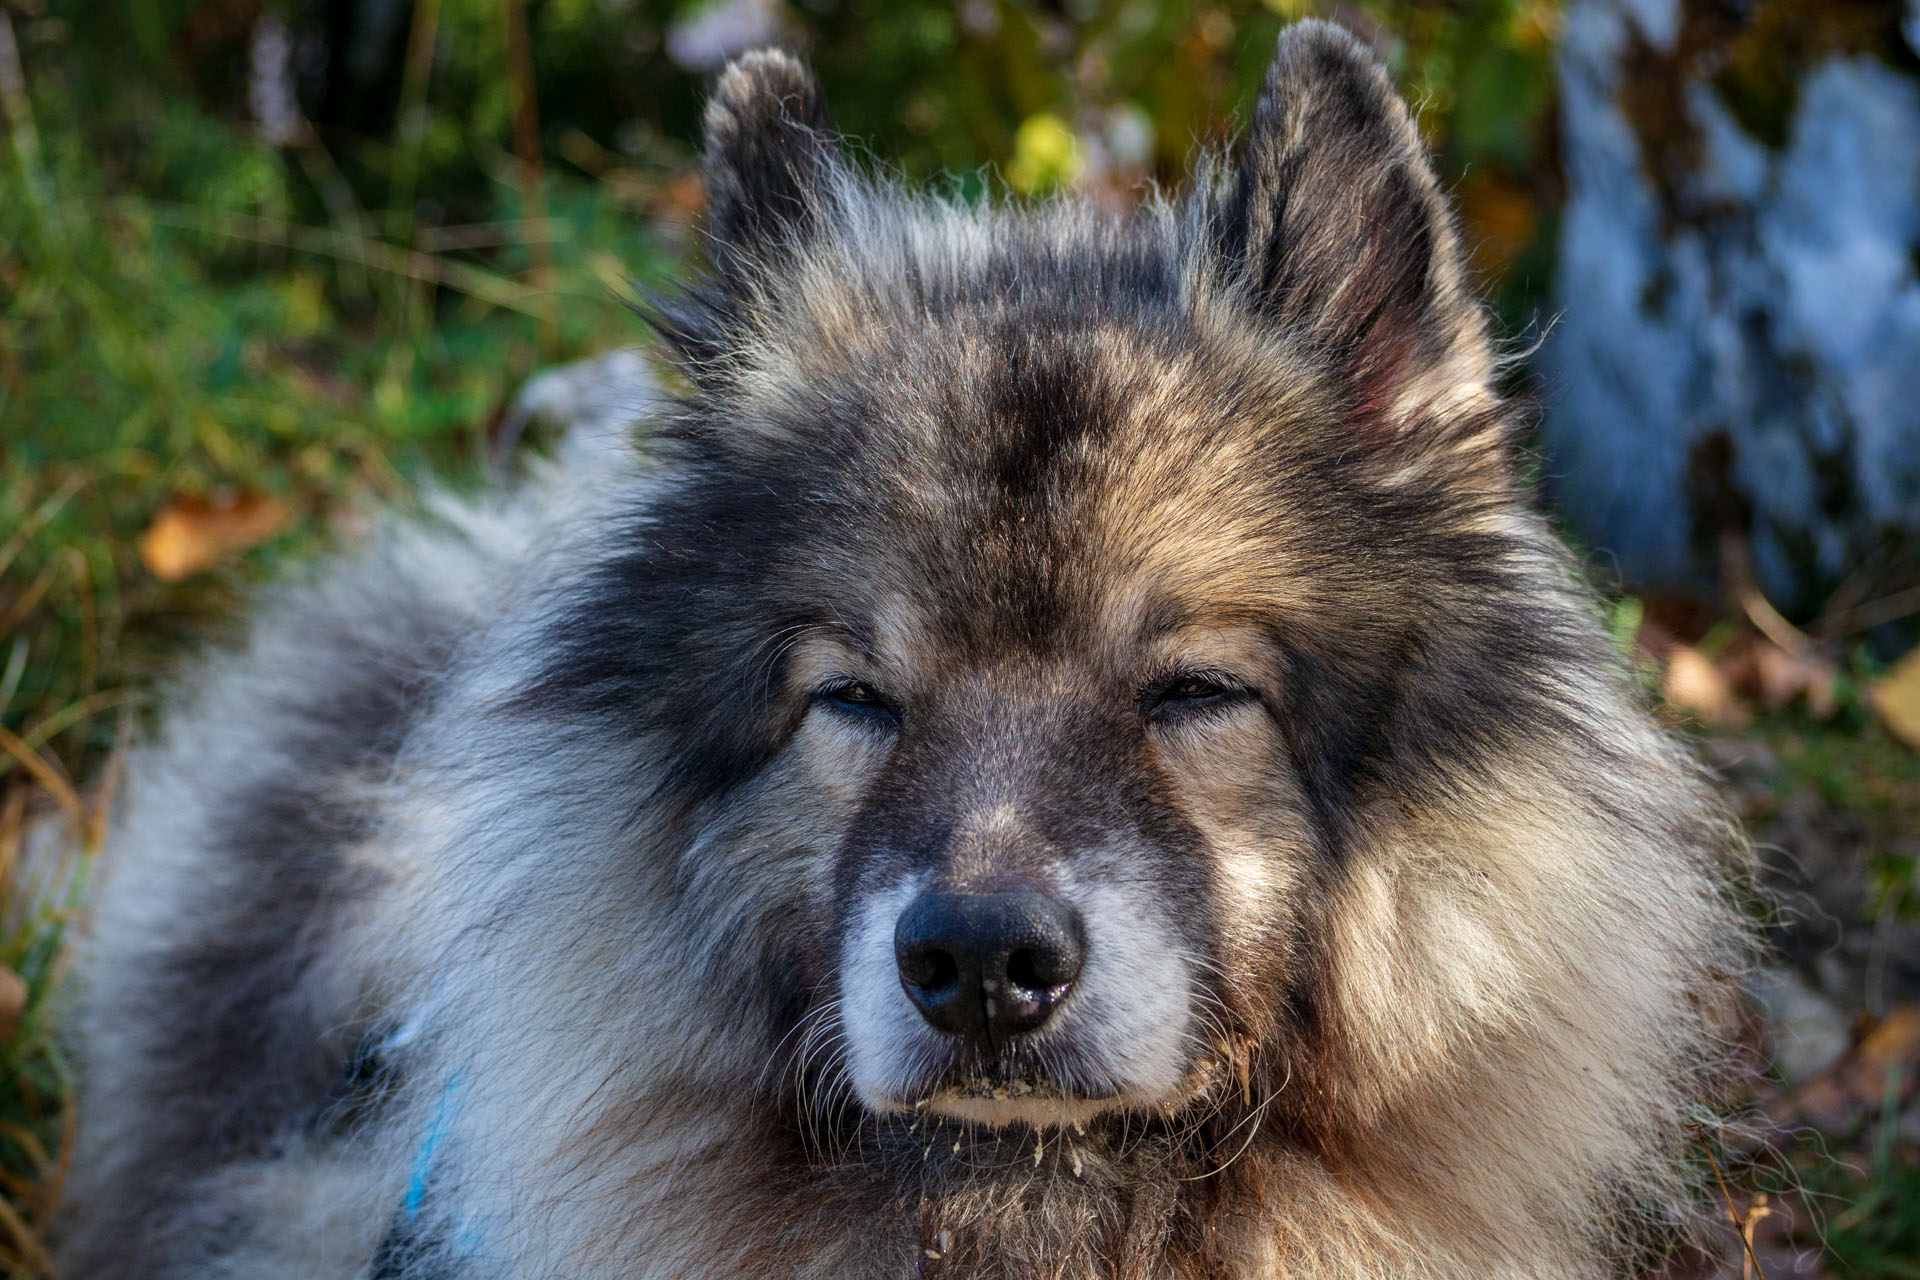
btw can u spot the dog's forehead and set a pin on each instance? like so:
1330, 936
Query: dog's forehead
1091, 483
1085, 598
1007, 473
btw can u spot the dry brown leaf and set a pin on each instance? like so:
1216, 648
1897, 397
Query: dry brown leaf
1894, 1040
190, 533
13, 1002
1761, 671
685, 195
1785, 676
1896, 697
1696, 685
1858, 1081
1501, 218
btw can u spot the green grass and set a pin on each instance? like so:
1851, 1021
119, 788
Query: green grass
1864, 1194
159, 349
35, 1086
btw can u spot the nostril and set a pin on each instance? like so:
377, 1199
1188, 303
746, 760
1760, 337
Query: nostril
1037, 970
930, 969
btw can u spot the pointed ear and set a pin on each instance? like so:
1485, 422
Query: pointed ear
1341, 234
770, 154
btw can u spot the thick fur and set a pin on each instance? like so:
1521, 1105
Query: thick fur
516, 903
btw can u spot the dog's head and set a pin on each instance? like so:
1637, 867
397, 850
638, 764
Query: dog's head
1052, 603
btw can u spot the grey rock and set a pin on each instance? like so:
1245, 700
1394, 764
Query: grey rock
1806, 1029
1749, 323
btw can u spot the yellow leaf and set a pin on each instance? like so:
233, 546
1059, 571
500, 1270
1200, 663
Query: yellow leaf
190, 534
1896, 696
1694, 684
1046, 154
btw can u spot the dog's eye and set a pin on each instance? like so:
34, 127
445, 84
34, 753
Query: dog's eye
1191, 691
857, 698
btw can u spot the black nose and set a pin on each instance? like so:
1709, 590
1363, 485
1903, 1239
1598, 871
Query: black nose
988, 966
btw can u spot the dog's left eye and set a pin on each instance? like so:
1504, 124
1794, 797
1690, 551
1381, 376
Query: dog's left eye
856, 698
1191, 691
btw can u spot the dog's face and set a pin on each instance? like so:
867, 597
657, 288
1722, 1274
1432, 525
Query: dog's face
1063, 596
1069, 694
1072, 806
1100, 646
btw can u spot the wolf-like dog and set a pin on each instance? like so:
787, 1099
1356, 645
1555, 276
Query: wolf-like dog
1061, 748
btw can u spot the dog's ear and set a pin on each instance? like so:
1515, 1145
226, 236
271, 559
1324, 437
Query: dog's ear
1341, 235
770, 156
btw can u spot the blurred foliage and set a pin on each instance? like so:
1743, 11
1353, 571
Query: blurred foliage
1754, 56
186, 309
290, 248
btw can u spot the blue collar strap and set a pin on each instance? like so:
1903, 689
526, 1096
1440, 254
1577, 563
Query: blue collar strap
427, 1153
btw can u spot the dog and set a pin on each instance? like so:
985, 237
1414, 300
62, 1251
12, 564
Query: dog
1061, 749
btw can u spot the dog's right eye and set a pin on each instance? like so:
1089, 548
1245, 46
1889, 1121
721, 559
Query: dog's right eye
855, 698
1191, 691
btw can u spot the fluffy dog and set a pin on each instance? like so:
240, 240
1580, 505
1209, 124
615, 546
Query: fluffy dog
1064, 752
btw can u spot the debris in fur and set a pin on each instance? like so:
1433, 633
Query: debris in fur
1004, 1090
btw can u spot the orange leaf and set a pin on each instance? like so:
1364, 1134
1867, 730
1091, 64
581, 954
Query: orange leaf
1896, 696
1694, 684
190, 534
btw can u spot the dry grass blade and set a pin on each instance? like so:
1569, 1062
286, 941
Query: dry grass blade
13, 823
1773, 625
415, 73
1750, 1267
20, 1134
43, 730
486, 286
48, 777
29, 1255
46, 511
28, 599
528, 167
1877, 613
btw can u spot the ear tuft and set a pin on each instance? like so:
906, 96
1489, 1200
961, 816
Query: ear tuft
770, 151
1340, 232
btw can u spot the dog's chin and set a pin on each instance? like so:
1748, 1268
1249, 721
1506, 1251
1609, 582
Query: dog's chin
1058, 1111
1000, 1103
